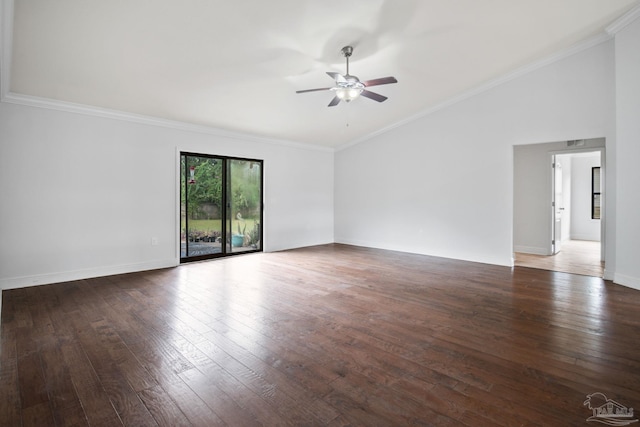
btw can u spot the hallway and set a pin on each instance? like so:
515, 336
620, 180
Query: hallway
576, 256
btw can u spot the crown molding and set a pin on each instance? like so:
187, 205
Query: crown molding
69, 107
566, 53
623, 21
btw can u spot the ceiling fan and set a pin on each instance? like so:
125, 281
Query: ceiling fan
349, 87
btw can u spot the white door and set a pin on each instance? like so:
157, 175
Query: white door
557, 206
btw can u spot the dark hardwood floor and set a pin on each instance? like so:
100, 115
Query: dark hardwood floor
329, 335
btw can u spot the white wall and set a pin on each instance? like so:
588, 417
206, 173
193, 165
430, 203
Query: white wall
583, 227
83, 195
443, 184
627, 60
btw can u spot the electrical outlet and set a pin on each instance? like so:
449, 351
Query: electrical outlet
154, 241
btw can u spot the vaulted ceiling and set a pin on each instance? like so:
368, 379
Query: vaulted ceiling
236, 65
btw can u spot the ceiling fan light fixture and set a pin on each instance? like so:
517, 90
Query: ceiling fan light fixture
348, 94
349, 87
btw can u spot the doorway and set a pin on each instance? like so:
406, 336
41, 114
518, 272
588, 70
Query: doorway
221, 206
559, 231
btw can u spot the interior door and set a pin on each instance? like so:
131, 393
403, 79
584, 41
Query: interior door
557, 206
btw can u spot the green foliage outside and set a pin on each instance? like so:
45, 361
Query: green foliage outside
207, 187
245, 185
245, 188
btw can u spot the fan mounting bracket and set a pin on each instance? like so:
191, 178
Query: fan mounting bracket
347, 51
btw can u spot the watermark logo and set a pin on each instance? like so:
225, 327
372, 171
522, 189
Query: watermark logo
607, 411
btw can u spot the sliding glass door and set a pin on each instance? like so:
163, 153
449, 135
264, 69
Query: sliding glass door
220, 206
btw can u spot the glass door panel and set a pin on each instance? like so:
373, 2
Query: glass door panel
244, 187
201, 206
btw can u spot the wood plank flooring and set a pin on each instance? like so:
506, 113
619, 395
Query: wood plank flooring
575, 256
329, 335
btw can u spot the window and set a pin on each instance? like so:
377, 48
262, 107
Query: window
595, 193
220, 206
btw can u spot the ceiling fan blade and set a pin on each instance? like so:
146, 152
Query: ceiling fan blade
335, 101
380, 81
339, 78
313, 90
373, 95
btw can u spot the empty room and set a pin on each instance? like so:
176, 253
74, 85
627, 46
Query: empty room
355, 213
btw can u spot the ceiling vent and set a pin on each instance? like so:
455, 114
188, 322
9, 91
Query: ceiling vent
576, 143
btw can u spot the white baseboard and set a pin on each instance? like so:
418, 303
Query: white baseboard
587, 237
492, 260
608, 274
531, 250
628, 281
66, 276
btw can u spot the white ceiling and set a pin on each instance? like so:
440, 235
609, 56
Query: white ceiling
235, 65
